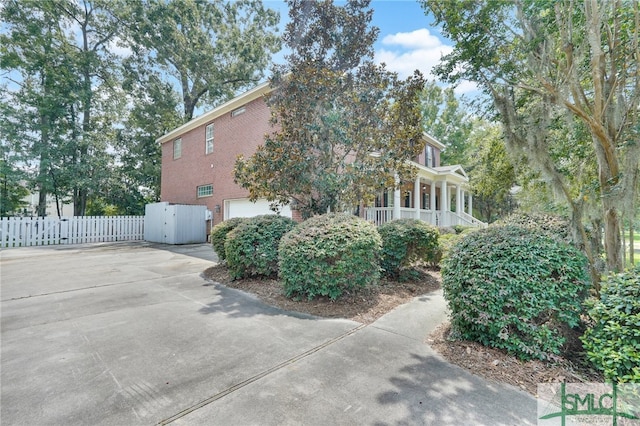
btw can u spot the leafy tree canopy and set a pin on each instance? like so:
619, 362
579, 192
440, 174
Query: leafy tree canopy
344, 126
208, 49
564, 80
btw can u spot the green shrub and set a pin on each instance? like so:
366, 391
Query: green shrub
447, 230
557, 226
328, 254
219, 235
252, 247
461, 228
446, 243
515, 289
405, 241
613, 341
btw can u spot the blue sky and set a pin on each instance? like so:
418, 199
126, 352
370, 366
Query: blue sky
408, 39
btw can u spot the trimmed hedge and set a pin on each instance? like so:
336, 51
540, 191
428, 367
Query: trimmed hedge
613, 341
515, 289
405, 241
445, 244
557, 226
252, 247
329, 254
219, 235
446, 241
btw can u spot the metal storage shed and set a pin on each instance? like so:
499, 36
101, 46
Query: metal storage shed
175, 223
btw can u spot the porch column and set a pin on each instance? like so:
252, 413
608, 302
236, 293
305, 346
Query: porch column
458, 199
470, 205
396, 199
444, 197
432, 198
416, 197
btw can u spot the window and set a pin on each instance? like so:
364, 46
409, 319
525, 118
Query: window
208, 139
238, 111
429, 162
425, 202
177, 149
205, 191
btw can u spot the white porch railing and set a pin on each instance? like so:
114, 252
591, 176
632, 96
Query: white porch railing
407, 213
465, 219
39, 231
380, 215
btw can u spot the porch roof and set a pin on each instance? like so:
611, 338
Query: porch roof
452, 174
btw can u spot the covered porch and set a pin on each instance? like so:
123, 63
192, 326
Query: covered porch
439, 196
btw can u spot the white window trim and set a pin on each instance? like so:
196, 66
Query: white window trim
238, 111
208, 138
177, 144
208, 194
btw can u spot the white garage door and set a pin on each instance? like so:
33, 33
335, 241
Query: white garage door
245, 208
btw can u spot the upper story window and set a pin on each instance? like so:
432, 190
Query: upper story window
238, 111
177, 148
429, 158
205, 190
208, 139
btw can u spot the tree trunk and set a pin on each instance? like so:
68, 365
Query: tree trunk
79, 202
612, 243
41, 211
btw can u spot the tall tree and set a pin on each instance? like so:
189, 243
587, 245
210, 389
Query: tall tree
12, 188
546, 62
207, 49
491, 169
60, 52
153, 112
344, 126
446, 119
97, 99
37, 110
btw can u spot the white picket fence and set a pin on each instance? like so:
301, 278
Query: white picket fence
41, 231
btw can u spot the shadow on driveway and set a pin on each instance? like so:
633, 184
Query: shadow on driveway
239, 304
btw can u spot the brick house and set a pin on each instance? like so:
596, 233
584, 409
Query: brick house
198, 160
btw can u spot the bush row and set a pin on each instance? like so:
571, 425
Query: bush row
325, 255
518, 286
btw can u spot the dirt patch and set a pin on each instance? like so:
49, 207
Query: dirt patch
363, 305
368, 304
498, 366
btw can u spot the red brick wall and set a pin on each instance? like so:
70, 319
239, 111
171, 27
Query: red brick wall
232, 136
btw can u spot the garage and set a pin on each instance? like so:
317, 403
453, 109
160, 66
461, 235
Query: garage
244, 208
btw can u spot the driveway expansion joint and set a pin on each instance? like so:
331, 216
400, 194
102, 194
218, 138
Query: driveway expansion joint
259, 376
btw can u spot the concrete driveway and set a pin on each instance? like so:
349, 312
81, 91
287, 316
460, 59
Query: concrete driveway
131, 333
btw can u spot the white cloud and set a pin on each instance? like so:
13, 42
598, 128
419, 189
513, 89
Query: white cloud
406, 52
466, 87
419, 39
119, 48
